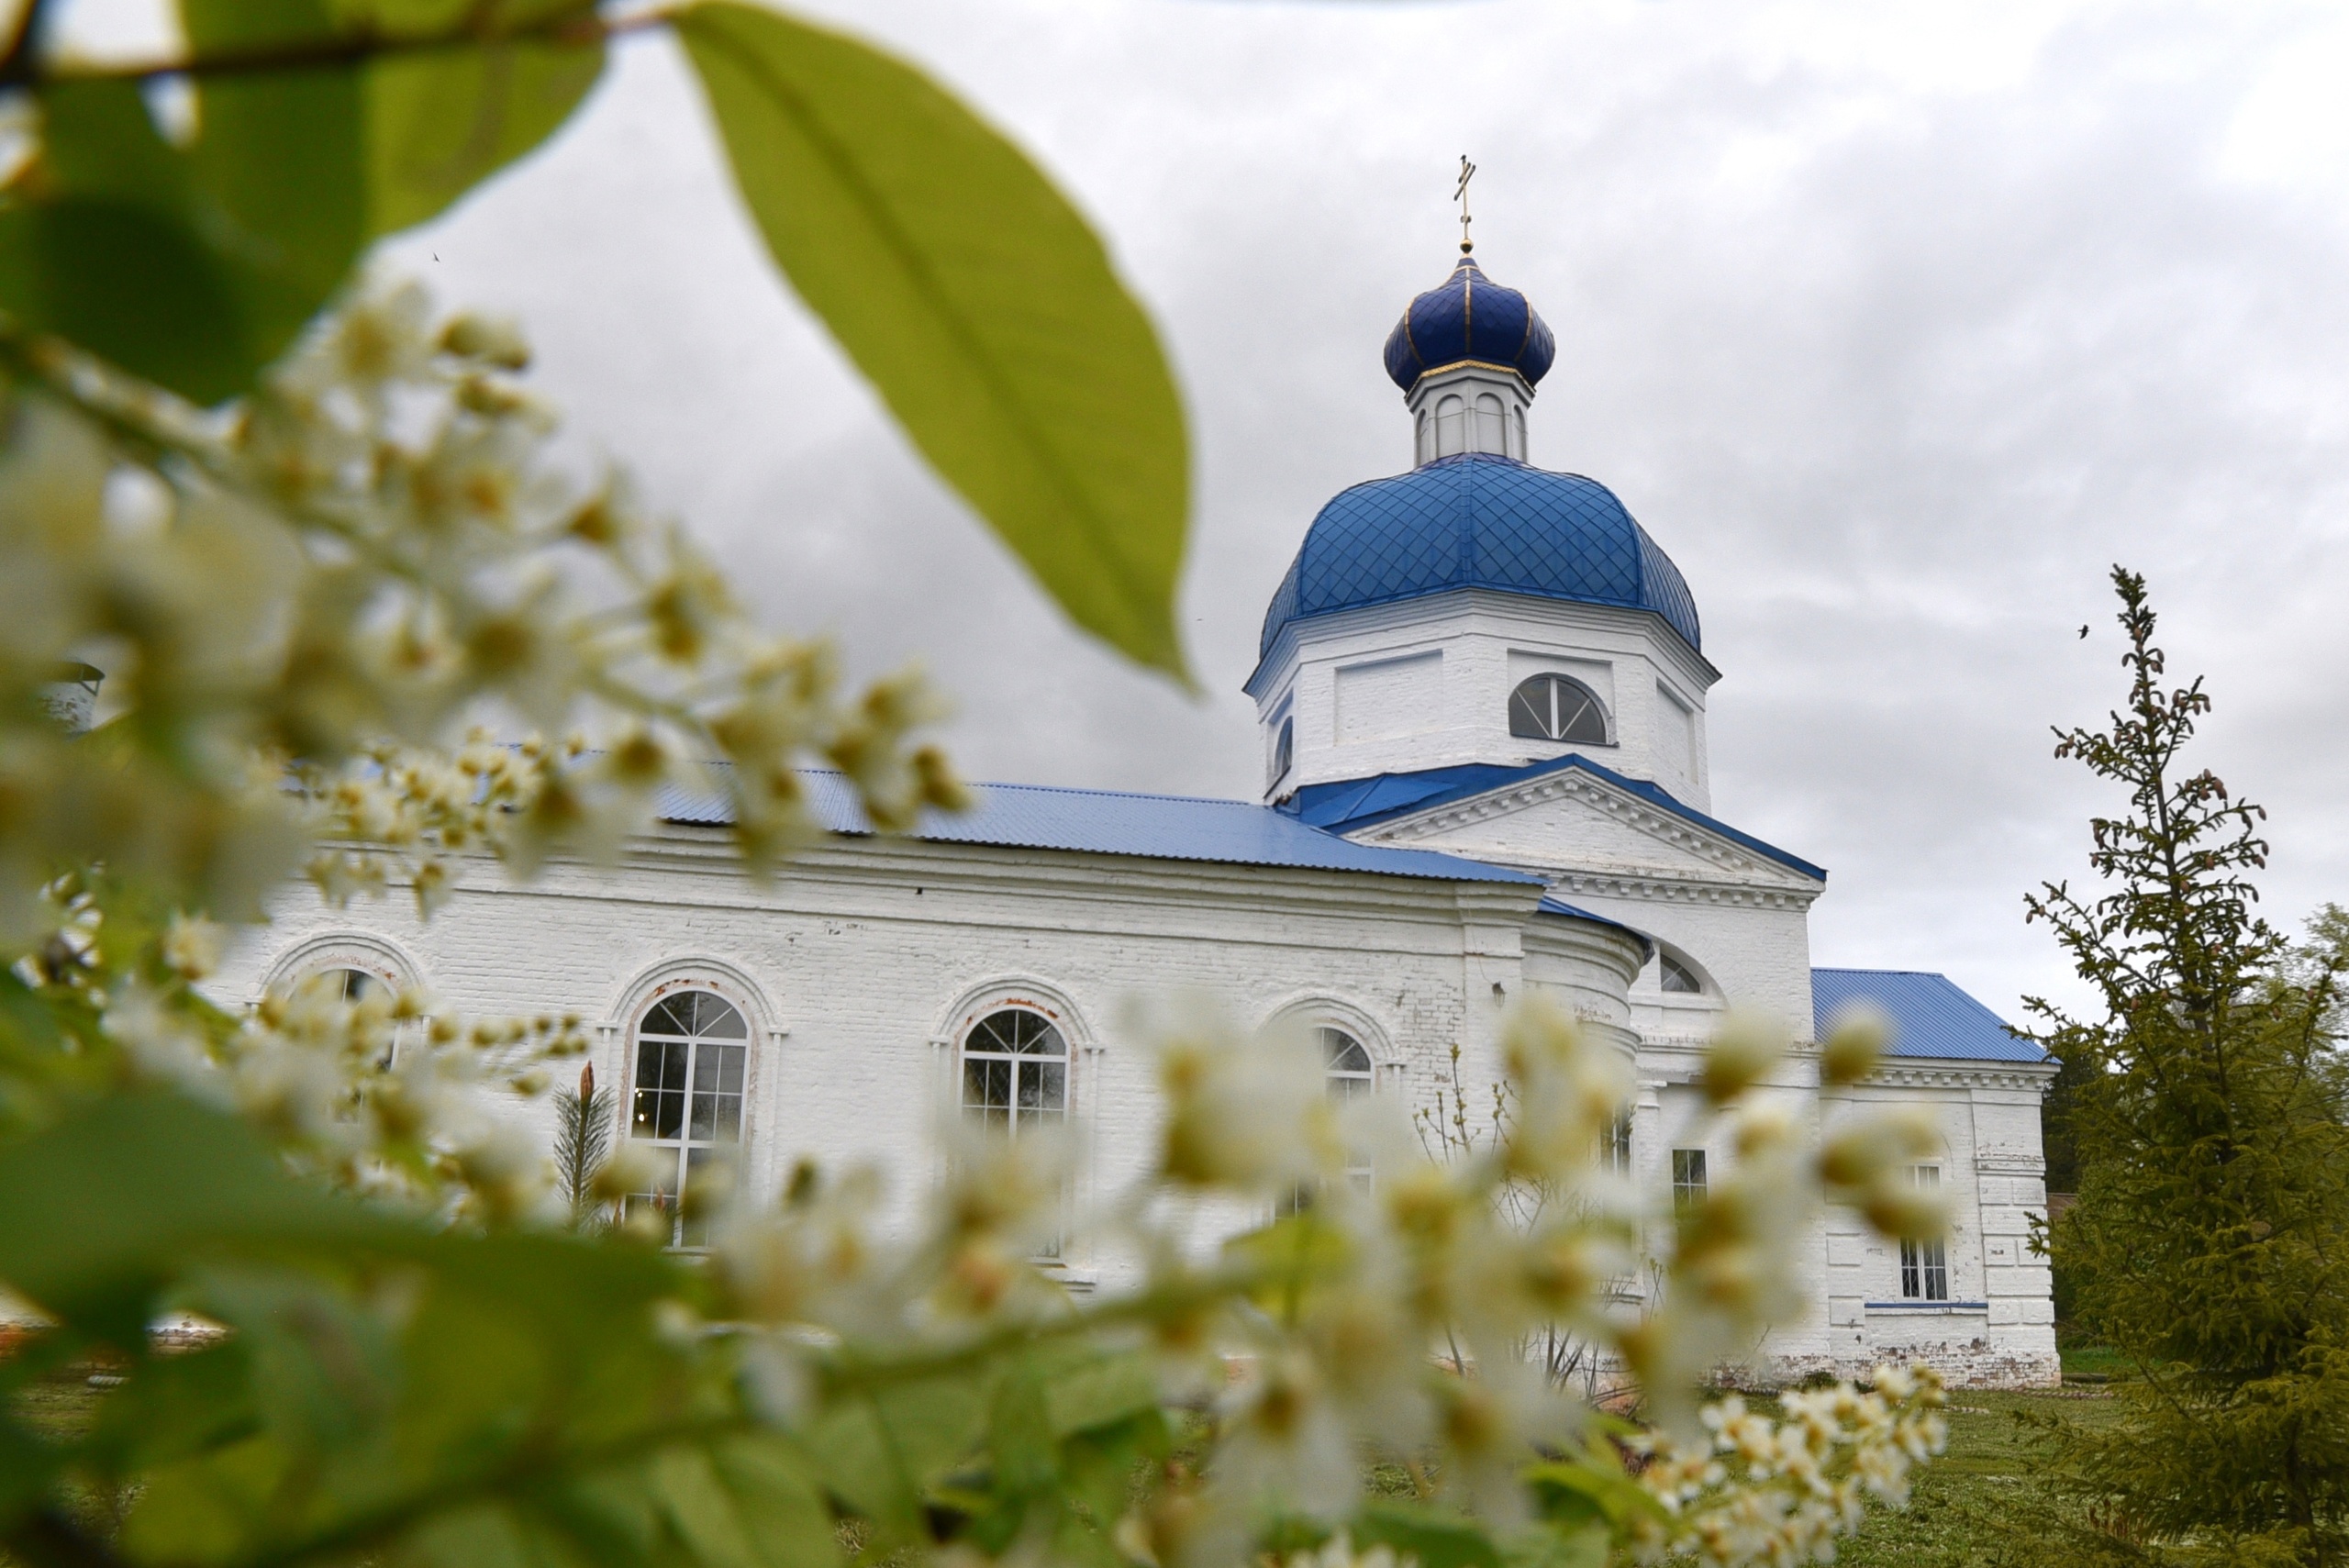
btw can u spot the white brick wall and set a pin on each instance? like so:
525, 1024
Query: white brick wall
1425, 683
859, 969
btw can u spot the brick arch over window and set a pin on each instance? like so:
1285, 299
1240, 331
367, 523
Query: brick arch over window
985, 1047
1675, 974
1356, 1049
355, 952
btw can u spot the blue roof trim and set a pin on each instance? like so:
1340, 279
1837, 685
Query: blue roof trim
1553, 904
1479, 520
1354, 803
1108, 822
1930, 1016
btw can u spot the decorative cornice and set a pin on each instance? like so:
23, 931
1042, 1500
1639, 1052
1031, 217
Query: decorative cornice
1781, 889
2032, 1077
1655, 887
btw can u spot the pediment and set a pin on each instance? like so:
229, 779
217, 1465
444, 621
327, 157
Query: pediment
1570, 826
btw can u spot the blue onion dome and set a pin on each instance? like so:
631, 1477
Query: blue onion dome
1479, 520
1467, 320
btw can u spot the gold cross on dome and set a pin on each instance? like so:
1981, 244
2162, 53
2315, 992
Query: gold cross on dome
1460, 194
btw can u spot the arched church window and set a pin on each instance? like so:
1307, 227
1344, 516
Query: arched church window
1284, 749
692, 1049
1678, 977
1348, 1073
1015, 1073
1554, 707
1491, 425
1517, 421
349, 984
1348, 1066
1450, 426
1423, 437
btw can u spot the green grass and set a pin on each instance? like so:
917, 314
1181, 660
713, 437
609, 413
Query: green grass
1971, 1507
2095, 1361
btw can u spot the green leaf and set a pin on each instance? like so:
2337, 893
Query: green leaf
194, 267
977, 300
108, 1204
1098, 1391
441, 124
1576, 1491
98, 244
1437, 1540
391, 141
879, 1453
278, 165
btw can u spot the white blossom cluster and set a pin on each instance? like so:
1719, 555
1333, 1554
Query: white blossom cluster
1753, 1490
1388, 1310
299, 603
381, 1094
297, 600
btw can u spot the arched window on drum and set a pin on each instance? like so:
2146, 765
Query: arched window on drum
1556, 707
1451, 426
692, 1057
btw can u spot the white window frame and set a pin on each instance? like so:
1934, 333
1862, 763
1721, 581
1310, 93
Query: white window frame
1924, 1264
704, 1047
1054, 1248
1691, 1178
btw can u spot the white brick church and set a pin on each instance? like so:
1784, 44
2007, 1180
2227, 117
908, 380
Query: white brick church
1481, 693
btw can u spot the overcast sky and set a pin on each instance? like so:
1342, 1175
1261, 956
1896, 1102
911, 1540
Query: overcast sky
1895, 324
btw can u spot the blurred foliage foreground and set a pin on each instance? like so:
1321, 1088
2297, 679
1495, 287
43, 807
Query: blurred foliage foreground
301, 582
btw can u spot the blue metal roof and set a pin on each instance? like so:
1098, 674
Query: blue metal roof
1930, 1016
1478, 520
1468, 319
1354, 803
1107, 822
1553, 904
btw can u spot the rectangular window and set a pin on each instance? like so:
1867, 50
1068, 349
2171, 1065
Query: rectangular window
1924, 1265
1617, 1150
1688, 1177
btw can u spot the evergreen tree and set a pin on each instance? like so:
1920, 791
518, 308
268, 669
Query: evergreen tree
583, 1146
2210, 1243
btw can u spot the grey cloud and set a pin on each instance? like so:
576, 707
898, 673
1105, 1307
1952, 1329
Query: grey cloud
1895, 359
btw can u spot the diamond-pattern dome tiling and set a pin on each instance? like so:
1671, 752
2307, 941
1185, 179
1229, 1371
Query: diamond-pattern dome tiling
1479, 522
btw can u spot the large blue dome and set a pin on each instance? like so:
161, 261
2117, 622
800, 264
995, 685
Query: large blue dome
1467, 320
1479, 522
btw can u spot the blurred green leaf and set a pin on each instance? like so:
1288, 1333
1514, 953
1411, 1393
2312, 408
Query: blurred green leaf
1581, 1546
1573, 1491
439, 124
1090, 1389
99, 244
977, 299
195, 266
879, 1453
1436, 1538
278, 163
106, 1206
